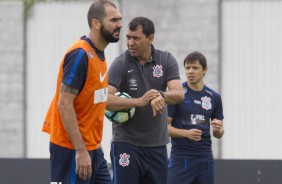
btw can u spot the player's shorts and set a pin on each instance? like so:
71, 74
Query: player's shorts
63, 167
138, 165
190, 171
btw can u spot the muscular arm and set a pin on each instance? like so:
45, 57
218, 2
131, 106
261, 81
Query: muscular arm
115, 103
175, 92
68, 115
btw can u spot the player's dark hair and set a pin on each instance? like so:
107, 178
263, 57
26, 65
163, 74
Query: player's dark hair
147, 25
195, 56
97, 10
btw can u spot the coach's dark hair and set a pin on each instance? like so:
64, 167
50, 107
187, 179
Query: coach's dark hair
97, 10
146, 24
195, 56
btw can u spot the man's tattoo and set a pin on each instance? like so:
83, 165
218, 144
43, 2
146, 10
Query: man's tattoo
67, 89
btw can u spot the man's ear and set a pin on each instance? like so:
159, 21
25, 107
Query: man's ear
151, 38
96, 24
205, 71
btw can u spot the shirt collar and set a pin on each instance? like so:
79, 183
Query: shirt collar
91, 44
153, 57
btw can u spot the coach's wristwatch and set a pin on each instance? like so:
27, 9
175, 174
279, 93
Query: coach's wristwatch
162, 93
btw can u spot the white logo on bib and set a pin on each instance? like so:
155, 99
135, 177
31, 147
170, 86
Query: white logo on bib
102, 77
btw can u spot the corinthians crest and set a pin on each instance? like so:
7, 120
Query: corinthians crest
206, 103
124, 159
158, 71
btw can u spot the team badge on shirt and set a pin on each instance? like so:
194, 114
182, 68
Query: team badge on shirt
132, 84
206, 103
124, 159
90, 54
158, 71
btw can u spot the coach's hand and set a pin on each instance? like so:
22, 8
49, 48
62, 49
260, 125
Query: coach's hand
147, 97
83, 164
158, 105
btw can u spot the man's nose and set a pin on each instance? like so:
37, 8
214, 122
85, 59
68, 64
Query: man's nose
119, 24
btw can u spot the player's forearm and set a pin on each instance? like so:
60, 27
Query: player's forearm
175, 132
70, 123
115, 103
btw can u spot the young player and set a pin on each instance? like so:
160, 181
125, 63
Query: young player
191, 159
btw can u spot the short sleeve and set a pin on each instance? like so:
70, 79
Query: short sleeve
218, 110
116, 71
171, 110
75, 69
172, 69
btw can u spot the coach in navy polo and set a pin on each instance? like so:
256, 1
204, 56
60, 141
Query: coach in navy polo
151, 78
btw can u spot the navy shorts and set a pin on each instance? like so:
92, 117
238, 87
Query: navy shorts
190, 171
63, 166
138, 165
